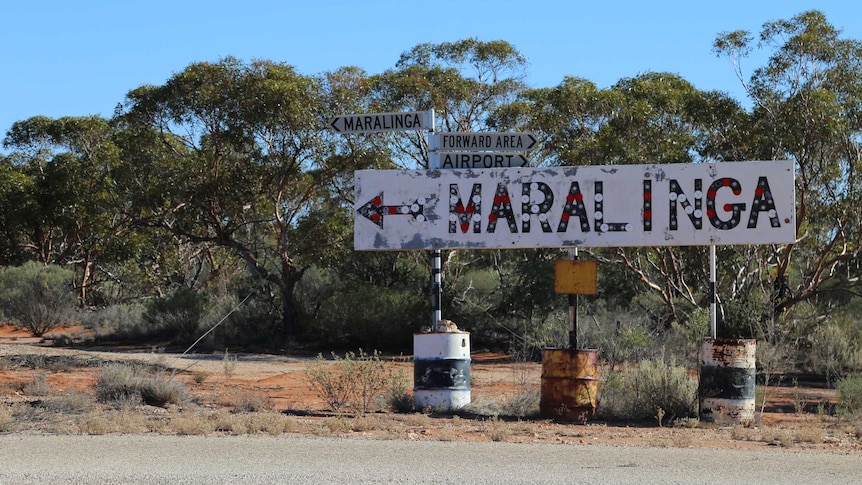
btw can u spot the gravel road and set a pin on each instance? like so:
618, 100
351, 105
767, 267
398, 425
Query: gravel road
156, 459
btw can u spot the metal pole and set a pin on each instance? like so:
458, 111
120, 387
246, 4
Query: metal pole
436, 257
713, 306
436, 288
573, 311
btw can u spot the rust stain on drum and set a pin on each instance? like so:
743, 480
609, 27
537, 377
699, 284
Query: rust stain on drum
569, 384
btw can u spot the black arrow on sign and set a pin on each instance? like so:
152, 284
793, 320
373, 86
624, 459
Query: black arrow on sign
374, 210
532, 142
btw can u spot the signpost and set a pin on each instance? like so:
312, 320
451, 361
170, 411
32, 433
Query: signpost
479, 150
592, 206
481, 160
500, 142
382, 122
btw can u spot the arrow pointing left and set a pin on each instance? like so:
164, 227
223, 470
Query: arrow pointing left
374, 210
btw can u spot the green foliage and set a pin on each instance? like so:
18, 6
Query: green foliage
345, 312
399, 395
834, 350
178, 315
640, 391
353, 381
37, 297
850, 394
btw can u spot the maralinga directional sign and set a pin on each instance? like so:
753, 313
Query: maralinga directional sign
380, 122
593, 206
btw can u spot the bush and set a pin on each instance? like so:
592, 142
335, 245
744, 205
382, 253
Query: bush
398, 395
850, 394
179, 314
37, 297
120, 383
351, 382
638, 393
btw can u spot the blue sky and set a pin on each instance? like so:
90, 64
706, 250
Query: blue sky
65, 58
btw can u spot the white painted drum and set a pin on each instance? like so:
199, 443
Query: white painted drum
441, 370
726, 389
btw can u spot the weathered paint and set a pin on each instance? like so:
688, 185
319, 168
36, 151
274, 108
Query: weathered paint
593, 206
569, 384
575, 277
441, 370
727, 374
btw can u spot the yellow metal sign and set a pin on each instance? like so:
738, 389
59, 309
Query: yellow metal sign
575, 277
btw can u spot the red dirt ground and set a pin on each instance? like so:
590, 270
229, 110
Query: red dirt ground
281, 383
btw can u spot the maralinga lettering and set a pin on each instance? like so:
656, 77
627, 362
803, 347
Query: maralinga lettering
537, 201
383, 122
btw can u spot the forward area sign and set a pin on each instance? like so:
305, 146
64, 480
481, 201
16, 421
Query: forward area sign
380, 122
480, 142
593, 206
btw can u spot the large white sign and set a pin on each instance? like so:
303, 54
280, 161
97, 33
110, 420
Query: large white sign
593, 206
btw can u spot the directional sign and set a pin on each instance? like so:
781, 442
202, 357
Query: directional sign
478, 160
374, 210
593, 206
480, 142
378, 122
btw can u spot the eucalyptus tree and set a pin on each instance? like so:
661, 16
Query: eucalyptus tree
463, 81
807, 101
241, 164
648, 119
69, 213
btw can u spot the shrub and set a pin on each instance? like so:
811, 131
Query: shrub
638, 393
120, 320
120, 383
850, 394
179, 314
333, 384
351, 382
833, 351
398, 395
38, 297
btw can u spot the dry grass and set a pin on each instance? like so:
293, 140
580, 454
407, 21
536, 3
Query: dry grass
34, 402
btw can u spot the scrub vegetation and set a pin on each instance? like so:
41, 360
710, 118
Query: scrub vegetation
216, 211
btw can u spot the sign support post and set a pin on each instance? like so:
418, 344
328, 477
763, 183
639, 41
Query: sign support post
713, 303
436, 254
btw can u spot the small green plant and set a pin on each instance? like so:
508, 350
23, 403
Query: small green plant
333, 384
354, 382
398, 395
372, 378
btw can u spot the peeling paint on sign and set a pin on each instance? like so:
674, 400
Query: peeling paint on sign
591, 206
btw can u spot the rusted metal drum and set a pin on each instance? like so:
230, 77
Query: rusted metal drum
726, 389
569, 384
441, 370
